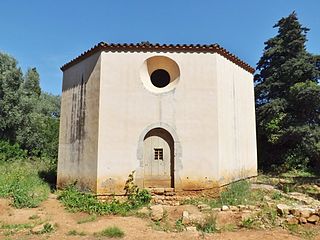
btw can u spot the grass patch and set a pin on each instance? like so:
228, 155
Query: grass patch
208, 225
229, 228
20, 181
76, 233
16, 226
297, 173
89, 218
111, 232
238, 193
303, 231
11, 229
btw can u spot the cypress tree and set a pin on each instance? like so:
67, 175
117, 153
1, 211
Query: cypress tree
288, 99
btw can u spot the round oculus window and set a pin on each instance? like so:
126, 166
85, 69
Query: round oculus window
160, 78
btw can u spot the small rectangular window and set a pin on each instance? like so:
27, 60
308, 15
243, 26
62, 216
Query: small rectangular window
158, 154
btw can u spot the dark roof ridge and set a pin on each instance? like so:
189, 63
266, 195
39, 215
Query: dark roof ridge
147, 46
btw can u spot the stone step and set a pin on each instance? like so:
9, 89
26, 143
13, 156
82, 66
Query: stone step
162, 191
165, 200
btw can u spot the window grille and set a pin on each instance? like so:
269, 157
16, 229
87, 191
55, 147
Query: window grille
158, 154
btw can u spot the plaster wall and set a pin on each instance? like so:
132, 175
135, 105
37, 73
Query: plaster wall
236, 122
128, 110
107, 109
78, 139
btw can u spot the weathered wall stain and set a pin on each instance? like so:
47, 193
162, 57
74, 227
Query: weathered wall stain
78, 119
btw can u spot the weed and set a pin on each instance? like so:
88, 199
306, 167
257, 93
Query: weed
163, 225
76, 201
287, 188
9, 232
305, 233
276, 196
47, 228
236, 193
293, 228
111, 232
297, 173
208, 225
19, 181
11, 229
228, 228
135, 195
248, 223
33, 217
309, 234
141, 214
76, 233
16, 226
179, 225
89, 218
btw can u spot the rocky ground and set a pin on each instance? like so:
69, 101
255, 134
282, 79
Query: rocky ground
280, 215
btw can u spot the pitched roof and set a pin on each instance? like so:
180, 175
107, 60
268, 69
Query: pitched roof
149, 47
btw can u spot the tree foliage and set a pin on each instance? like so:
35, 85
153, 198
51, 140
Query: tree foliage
10, 81
29, 118
288, 99
31, 84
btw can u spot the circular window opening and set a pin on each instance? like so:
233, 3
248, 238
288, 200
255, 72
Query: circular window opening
159, 74
160, 78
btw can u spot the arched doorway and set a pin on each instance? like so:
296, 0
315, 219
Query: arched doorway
158, 159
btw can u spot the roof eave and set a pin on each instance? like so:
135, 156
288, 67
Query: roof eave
147, 47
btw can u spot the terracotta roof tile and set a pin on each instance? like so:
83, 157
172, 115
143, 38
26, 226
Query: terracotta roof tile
149, 47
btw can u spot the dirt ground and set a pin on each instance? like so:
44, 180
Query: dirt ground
134, 227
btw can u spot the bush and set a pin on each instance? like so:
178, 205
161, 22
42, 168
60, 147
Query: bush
85, 202
20, 181
76, 201
136, 196
10, 152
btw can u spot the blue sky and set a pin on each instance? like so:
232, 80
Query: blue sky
48, 33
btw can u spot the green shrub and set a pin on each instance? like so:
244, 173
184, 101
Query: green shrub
143, 197
111, 232
20, 181
10, 152
136, 196
76, 201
